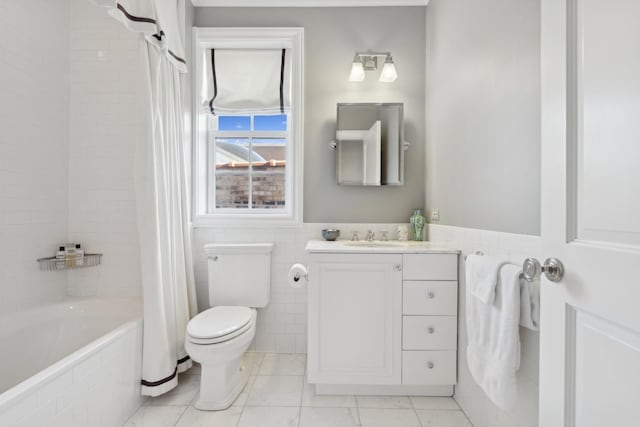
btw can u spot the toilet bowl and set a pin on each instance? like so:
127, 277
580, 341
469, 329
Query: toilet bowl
217, 339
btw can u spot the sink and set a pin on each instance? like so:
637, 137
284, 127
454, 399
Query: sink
375, 244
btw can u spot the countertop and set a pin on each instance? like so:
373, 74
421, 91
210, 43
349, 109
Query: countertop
379, 247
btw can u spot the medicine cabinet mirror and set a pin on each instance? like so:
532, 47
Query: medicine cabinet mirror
370, 144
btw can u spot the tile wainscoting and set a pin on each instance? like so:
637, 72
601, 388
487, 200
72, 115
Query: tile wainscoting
480, 410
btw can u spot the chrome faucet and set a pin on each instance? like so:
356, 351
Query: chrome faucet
370, 236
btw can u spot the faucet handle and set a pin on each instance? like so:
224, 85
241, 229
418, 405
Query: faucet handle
370, 235
383, 235
354, 237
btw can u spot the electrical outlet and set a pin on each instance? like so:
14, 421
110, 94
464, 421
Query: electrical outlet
435, 215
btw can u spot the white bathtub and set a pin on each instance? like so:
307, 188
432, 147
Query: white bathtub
75, 363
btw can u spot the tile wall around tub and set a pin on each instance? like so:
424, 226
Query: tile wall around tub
104, 67
34, 89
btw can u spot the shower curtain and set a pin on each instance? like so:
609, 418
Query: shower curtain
164, 228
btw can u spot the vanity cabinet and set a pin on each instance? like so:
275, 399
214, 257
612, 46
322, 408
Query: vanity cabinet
383, 323
355, 302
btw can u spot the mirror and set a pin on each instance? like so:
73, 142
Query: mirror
370, 144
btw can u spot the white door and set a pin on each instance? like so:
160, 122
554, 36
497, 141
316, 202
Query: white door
590, 326
355, 304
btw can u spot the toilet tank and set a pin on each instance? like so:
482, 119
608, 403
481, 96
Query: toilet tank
239, 273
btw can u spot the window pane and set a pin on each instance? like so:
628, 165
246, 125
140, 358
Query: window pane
234, 123
271, 149
234, 152
276, 123
269, 187
232, 189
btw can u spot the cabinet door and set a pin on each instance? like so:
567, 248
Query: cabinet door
355, 306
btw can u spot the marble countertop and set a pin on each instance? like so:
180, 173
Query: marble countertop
379, 247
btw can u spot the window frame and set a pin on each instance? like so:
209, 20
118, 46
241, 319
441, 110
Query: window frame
249, 38
215, 133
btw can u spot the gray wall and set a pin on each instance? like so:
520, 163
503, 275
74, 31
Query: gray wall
332, 35
483, 113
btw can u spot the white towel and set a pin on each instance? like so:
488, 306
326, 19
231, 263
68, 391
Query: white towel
530, 304
482, 275
493, 351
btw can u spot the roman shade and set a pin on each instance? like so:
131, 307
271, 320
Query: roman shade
251, 81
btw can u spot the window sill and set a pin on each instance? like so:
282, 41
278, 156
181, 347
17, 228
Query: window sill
243, 221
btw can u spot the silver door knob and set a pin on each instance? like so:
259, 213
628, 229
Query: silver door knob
552, 268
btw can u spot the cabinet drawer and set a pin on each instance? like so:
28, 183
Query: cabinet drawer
430, 267
429, 332
429, 367
433, 298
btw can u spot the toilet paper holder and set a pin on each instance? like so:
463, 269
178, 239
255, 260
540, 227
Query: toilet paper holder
298, 276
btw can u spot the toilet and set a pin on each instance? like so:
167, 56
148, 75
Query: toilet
239, 282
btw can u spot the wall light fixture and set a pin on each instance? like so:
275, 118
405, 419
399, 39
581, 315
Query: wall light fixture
368, 61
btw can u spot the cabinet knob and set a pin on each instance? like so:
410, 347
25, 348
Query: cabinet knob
430, 365
431, 295
431, 329
397, 267
213, 257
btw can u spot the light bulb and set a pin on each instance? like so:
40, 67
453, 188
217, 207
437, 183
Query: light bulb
389, 73
357, 70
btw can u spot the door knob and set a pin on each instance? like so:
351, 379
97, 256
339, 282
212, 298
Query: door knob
552, 269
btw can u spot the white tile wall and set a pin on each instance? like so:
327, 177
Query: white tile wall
102, 389
104, 67
282, 325
481, 411
33, 148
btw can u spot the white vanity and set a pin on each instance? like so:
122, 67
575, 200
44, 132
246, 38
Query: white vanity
382, 318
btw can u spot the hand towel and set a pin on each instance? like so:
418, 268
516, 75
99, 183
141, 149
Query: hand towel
530, 304
482, 275
493, 351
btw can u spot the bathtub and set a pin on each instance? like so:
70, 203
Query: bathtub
73, 363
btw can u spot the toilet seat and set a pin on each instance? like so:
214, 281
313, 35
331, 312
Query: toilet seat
220, 324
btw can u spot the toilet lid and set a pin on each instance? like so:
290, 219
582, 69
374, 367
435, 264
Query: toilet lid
218, 321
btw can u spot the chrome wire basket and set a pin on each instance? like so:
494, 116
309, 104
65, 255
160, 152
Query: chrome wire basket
55, 264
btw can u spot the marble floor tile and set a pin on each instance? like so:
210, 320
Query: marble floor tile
283, 364
310, 398
196, 418
385, 402
426, 402
443, 419
329, 417
155, 416
183, 394
388, 418
261, 416
274, 390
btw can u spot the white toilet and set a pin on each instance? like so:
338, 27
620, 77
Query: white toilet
217, 338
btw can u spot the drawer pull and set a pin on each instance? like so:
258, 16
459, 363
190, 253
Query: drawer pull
430, 365
431, 295
397, 267
431, 329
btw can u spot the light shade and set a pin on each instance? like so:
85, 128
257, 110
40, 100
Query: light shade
357, 71
389, 73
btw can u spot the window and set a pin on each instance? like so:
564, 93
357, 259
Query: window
247, 164
248, 161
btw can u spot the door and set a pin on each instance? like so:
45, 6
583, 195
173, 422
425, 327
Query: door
355, 304
590, 325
